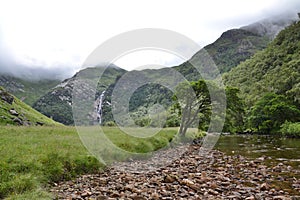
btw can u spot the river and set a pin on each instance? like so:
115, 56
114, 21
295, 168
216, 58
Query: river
276, 149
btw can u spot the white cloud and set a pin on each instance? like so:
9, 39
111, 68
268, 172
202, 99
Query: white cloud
64, 33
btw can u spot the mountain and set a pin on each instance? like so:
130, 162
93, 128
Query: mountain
57, 103
276, 69
270, 27
15, 112
236, 45
27, 90
232, 48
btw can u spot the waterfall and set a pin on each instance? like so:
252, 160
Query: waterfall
99, 107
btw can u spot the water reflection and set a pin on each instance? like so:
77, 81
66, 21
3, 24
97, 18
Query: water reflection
275, 148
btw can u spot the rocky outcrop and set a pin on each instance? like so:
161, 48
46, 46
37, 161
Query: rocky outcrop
5, 96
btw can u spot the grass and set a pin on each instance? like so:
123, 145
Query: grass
26, 113
33, 158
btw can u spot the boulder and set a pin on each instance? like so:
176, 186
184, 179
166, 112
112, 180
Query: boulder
13, 112
18, 121
5, 96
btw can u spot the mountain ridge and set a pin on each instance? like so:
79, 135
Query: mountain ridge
233, 47
28, 91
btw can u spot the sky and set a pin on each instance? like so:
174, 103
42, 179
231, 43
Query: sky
53, 38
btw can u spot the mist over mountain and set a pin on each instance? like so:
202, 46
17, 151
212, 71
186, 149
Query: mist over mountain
10, 66
270, 27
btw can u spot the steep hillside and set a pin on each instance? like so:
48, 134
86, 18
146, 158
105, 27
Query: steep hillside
236, 45
26, 90
275, 69
57, 103
233, 47
272, 26
15, 112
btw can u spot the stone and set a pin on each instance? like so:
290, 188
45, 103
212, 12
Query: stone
13, 112
264, 186
18, 121
169, 179
39, 123
280, 198
5, 96
191, 176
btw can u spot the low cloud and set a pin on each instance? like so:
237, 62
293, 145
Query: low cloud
9, 66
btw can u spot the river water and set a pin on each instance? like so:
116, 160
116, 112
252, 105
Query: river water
276, 149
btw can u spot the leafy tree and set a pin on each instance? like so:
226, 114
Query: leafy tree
235, 111
194, 100
271, 111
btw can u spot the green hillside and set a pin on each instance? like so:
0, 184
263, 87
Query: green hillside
15, 112
28, 91
235, 46
57, 103
275, 69
270, 85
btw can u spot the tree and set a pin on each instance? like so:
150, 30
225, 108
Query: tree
235, 111
271, 111
194, 100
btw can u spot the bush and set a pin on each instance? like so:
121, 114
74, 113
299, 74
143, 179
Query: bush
290, 129
110, 124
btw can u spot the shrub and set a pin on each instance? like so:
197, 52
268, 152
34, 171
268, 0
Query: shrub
290, 129
110, 124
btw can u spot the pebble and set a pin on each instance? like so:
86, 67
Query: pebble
191, 176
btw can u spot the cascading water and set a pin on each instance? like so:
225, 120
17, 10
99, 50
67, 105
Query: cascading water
99, 107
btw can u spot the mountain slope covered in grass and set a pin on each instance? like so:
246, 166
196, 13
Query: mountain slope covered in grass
28, 91
236, 45
15, 112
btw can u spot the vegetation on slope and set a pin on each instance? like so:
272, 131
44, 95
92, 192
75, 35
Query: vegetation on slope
26, 90
15, 112
228, 51
235, 46
57, 103
274, 70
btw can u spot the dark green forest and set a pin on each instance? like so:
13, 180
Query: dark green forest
269, 84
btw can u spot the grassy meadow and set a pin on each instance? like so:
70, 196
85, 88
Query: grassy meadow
34, 158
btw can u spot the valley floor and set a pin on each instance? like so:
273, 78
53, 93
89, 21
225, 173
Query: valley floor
213, 175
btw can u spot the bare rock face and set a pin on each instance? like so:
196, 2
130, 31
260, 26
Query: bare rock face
5, 96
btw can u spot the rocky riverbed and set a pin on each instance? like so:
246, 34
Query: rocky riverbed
214, 175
